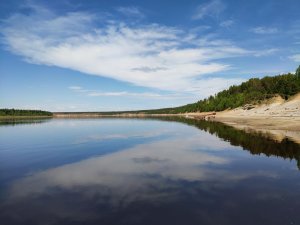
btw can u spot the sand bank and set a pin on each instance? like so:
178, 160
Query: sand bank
276, 117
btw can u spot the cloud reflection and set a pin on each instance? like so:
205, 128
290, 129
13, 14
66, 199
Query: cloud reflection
136, 173
128, 171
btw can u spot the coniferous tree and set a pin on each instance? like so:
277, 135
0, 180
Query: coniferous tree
298, 72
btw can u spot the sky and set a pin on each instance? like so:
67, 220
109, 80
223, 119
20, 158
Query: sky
108, 55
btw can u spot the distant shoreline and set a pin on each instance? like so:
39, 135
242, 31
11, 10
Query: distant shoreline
128, 115
24, 117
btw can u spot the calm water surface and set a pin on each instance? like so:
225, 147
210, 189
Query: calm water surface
134, 171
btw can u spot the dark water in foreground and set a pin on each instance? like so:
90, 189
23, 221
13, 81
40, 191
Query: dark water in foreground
134, 171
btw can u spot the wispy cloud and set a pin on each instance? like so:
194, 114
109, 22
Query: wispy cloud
152, 95
266, 52
130, 11
212, 8
264, 30
150, 55
125, 93
76, 88
295, 58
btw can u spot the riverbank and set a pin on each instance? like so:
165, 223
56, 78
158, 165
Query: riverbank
276, 117
273, 114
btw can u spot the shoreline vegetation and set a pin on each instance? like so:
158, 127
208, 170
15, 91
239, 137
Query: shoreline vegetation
23, 113
270, 103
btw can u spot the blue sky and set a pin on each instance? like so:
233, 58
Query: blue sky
126, 55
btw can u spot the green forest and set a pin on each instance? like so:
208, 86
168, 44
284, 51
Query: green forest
252, 91
23, 112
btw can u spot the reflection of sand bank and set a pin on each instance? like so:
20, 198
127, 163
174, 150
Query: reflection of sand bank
277, 128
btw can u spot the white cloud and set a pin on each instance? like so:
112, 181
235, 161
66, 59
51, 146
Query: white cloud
211, 9
227, 23
296, 57
148, 55
264, 30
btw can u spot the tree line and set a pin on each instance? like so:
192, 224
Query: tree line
23, 112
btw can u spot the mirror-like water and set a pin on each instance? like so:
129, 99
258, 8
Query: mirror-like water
135, 171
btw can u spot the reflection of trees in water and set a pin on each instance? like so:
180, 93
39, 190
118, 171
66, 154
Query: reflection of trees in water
15, 122
254, 142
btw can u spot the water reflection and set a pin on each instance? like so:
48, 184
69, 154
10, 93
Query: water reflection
255, 142
186, 176
23, 121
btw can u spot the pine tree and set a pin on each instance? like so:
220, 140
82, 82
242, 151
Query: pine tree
298, 72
